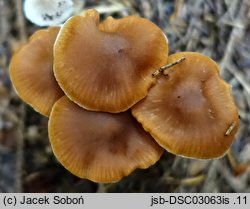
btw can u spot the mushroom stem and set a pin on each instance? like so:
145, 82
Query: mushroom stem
163, 68
230, 128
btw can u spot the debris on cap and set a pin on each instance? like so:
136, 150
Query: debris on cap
190, 110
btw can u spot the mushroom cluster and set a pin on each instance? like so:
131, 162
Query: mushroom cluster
115, 99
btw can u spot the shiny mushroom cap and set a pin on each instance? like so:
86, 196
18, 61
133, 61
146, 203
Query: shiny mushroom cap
190, 110
108, 66
102, 147
31, 71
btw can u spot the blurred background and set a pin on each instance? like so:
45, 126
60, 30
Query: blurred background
217, 28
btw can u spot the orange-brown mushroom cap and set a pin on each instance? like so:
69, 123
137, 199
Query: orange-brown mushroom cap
102, 147
108, 67
190, 110
31, 71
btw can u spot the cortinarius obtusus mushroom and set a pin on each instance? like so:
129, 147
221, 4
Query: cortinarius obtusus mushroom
190, 110
31, 71
108, 67
100, 146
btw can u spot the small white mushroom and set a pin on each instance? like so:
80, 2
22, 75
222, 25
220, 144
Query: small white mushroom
47, 12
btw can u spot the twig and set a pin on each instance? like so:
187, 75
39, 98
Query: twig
3, 21
21, 21
193, 180
237, 184
20, 129
209, 184
19, 150
231, 158
238, 75
230, 128
236, 35
163, 68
